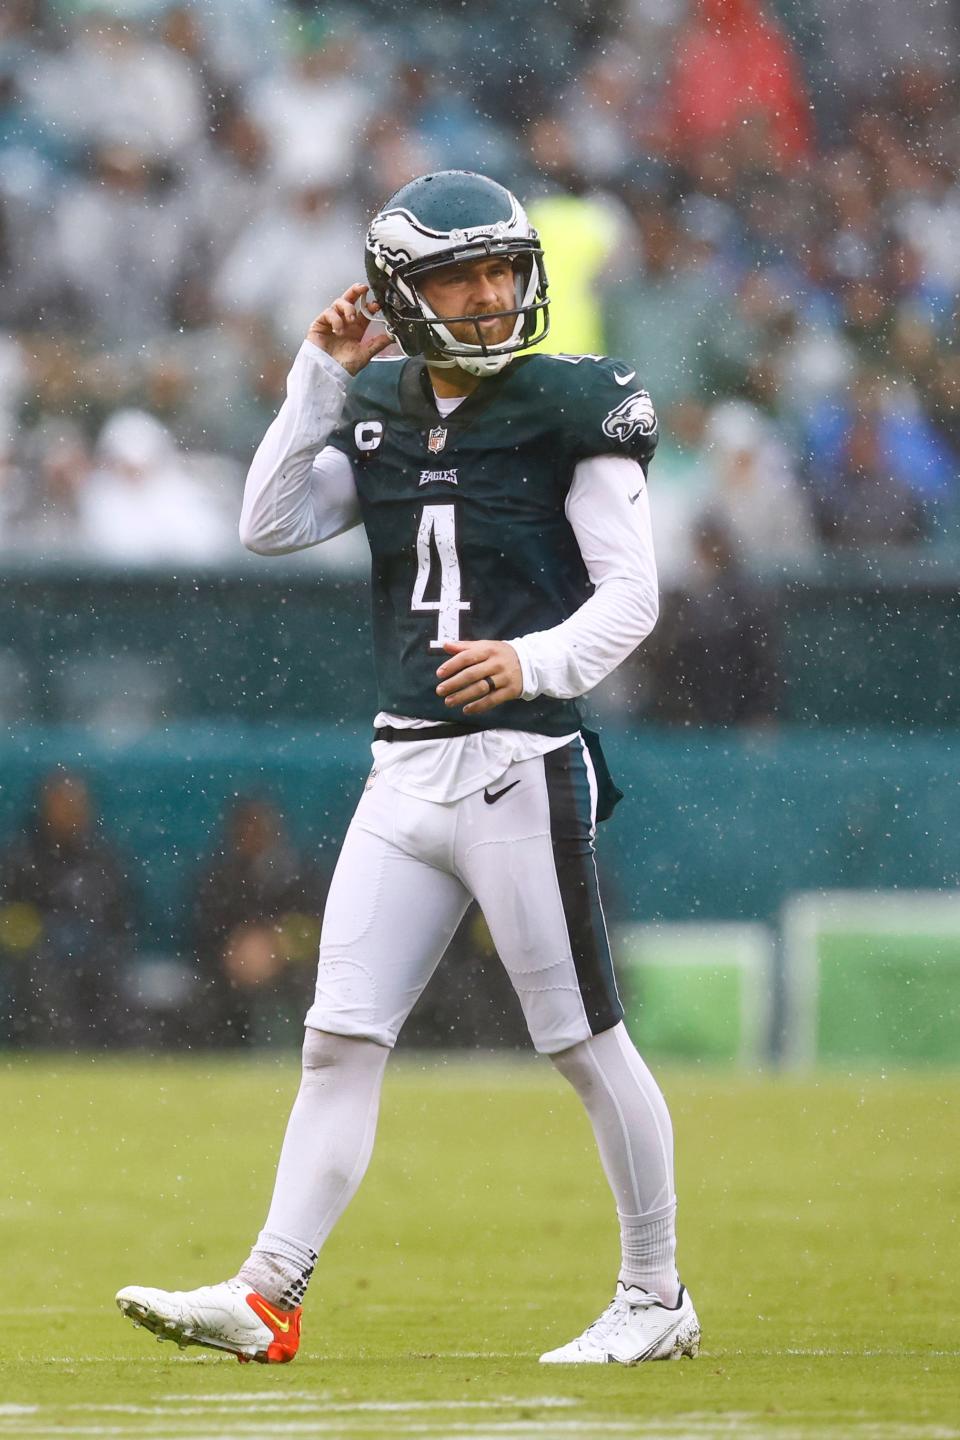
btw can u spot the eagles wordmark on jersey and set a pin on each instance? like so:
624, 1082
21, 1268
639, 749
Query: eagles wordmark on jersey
465, 512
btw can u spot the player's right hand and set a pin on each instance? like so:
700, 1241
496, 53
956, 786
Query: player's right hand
341, 331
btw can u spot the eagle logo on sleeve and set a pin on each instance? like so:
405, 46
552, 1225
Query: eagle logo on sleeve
633, 416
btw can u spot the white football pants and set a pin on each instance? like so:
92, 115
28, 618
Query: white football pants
407, 872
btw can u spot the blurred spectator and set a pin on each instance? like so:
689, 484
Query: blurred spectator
292, 257
226, 182
710, 660
446, 124
120, 247
256, 929
880, 471
613, 111
665, 309
66, 923
115, 84
217, 383
59, 460
753, 493
580, 229
13, 382
232, 41
395, 153
12, 489
13, 483
312, 108
941, 393
141, 505
737, 82
679, 490
578, 233
927, 218
900, 38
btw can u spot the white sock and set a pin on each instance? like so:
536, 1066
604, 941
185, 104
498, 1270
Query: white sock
325, 1154
279, 1268
648, 1254
634, 1135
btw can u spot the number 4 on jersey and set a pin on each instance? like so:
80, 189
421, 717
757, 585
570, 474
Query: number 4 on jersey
438, 524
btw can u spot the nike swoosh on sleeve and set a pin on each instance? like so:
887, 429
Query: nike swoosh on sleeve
624, 379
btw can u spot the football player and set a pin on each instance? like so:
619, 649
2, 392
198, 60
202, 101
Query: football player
504, 498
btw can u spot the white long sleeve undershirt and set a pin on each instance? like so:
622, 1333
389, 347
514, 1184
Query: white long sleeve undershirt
300, 492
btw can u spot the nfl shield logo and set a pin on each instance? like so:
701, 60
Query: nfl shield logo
436, 440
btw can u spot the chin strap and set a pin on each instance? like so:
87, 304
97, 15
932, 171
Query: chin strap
478, 365
485, 365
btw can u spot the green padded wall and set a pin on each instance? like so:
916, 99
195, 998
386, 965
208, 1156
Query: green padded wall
873, 977
697, 991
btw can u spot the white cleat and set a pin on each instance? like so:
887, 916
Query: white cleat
229, 1316
635, 1326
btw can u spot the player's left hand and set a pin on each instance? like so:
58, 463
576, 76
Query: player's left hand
463, 678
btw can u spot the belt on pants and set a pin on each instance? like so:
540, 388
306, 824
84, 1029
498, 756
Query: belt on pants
420, 732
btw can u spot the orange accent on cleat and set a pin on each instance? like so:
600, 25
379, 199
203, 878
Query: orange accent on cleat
285, 1325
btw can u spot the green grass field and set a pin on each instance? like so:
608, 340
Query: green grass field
819, 1236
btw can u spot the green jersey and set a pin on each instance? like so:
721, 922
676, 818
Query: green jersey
465, 513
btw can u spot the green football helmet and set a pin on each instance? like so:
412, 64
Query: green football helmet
445, 219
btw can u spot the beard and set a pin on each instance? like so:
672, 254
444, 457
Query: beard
494, 333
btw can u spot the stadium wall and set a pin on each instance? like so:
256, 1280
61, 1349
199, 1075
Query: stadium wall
855, 643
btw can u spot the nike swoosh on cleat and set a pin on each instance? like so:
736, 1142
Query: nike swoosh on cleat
266, 1313
644, 1354
492, 797
624, 379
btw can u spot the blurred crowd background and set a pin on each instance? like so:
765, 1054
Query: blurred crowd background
755, 202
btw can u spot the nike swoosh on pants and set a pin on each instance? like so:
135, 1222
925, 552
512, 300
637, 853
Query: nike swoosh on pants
492, 797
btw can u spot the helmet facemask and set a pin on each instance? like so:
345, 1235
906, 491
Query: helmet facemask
396, 271
481, 357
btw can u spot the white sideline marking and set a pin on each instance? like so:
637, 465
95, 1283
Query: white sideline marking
863, 1354
712, 1429
204, 1404
483, 1355
211, 1359
321, 1427
686, 1427
440, 1430
317, 1396
888, 1352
